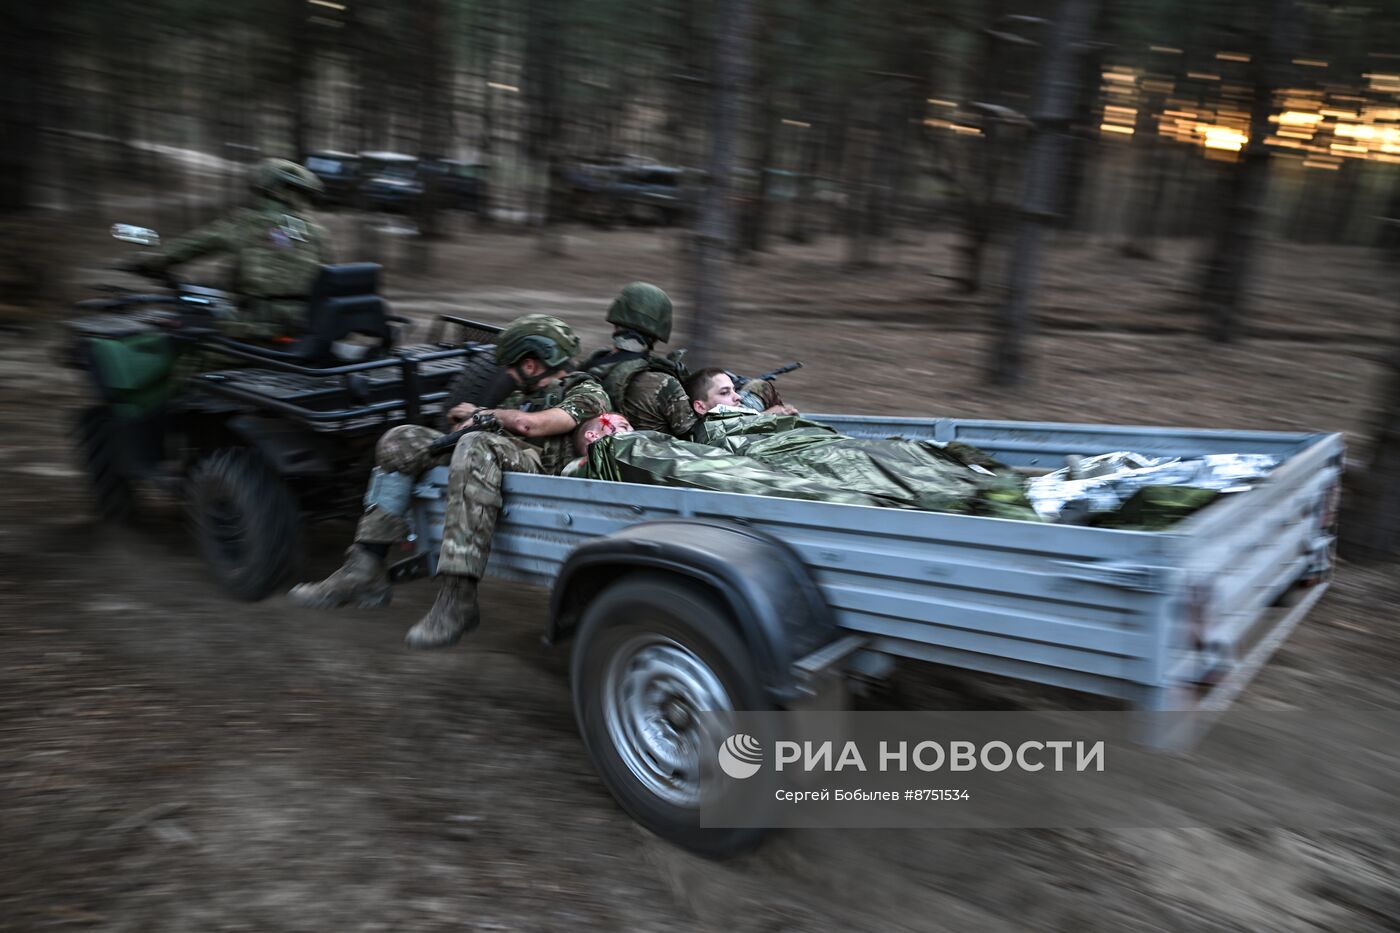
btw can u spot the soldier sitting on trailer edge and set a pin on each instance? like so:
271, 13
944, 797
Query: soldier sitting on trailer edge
536, 425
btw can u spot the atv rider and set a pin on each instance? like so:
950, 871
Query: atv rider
277, 252
537, 422
641, 384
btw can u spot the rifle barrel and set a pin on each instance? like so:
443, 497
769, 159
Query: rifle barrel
781, 370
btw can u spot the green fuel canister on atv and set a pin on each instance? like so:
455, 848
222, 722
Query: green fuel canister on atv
134, 372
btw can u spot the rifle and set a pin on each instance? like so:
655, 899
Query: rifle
749, 399
479, 422
774, 374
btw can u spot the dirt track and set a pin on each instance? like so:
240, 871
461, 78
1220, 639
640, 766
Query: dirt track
171, 760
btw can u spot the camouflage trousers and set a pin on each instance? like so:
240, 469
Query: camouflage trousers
477, 466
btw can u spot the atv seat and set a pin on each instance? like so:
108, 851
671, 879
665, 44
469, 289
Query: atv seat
343, 302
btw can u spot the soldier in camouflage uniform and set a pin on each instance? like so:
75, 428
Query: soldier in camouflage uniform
643, 385
277, 252
537, 422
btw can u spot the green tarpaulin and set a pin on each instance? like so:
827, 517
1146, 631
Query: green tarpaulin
792, 457
783, 455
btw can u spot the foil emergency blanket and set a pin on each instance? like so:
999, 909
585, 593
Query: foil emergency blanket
1104, 483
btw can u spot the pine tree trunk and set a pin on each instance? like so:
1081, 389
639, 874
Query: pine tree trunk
714, 233
368, 246
543, 44
119, 87
1059, 76
812, 109
485, 32
858, 196
1085, 132
1388, 232
432, 23
25, 67
300, 63
757, 239
799, 221
1230, 255
979, 215
1150, 178
1370, 527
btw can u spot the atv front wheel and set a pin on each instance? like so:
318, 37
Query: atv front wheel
99, 445
245, 521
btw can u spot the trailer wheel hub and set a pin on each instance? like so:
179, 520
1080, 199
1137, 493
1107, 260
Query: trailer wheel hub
653, 689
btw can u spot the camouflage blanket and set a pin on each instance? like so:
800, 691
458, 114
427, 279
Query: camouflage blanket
791, 457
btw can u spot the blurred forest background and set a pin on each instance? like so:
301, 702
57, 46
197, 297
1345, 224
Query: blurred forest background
743, 124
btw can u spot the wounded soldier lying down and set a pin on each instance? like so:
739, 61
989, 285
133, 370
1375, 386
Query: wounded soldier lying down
788, 456
792, 457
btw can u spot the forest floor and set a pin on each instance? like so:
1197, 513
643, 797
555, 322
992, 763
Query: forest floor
172, 760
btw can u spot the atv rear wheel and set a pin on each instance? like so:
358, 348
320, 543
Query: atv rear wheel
483, 382
99, 445
245, 520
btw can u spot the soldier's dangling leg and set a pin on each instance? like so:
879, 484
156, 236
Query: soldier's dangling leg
479, 465
401, 455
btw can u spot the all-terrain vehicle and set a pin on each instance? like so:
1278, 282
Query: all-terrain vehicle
276, 435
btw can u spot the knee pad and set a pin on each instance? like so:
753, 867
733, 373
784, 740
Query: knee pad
389, 492
393, 449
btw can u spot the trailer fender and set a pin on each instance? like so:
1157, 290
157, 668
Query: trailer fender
773, 601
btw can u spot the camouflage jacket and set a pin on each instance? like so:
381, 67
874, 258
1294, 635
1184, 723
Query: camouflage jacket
646, 388
277, 253
577, 394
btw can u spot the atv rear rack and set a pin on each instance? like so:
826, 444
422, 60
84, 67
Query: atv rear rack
408, 385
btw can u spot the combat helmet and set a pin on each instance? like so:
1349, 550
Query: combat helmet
546, 338
644, 308
280, 177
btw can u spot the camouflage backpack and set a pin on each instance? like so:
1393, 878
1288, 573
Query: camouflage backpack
617, 370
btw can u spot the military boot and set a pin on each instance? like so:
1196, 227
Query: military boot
453, 615
361, 582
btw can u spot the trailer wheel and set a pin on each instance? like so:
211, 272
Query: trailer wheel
651, 651
245, 521
98, 440
483, 382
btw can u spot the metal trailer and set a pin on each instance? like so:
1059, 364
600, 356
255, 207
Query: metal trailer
743, 602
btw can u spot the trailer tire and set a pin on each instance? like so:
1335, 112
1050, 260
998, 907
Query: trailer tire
660, 632
112, 493
245, 521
